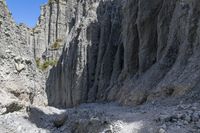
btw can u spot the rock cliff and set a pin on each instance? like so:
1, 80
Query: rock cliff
51, 28
130, 51
20, 82
134, 52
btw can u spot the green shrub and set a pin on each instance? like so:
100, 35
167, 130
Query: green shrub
59, 40
44, 66
56, 45
37, 60
53, 62
47, 63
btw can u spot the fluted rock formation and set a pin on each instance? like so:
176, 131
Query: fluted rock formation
127, 51
130, 51
95, 33
51, 28
168, 34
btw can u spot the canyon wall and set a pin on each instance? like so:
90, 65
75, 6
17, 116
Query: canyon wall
20, 81
129, 51
86, 64
50, 30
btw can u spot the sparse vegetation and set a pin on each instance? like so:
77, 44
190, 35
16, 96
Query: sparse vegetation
56, 45
43, 66
37, 60
48, 63
59, 40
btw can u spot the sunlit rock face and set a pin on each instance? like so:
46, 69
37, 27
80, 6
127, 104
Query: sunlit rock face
51, 28
130, 51
20, 82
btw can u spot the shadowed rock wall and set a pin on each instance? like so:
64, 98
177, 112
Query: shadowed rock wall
130, 51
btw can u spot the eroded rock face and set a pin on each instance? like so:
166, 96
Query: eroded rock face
20, 81
52, 26
94, 34
130, 51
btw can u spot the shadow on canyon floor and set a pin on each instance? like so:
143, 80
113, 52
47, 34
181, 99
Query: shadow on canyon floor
44, 120
93, 118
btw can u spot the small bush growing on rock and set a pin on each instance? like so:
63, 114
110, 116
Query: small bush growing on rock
37, 60
59, 40
47, 63
56, 44
53, 62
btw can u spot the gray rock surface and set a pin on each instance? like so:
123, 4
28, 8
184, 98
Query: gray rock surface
51, 28
20, 81
103, 118
84, 71
130, 51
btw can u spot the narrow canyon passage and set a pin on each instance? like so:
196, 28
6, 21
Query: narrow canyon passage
102, 66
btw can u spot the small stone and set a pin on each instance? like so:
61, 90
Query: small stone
19, 67
12, 55
161, 130
108, 131
194, 108
2, 110
15, 71
187, 118
60, 120
195, 117
7, 72
180, 107
178, 127
164, 118
8, 51
179, 116
19, 128
185, 122
164, 126
179, 123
